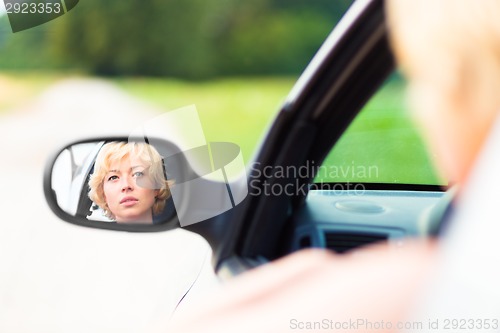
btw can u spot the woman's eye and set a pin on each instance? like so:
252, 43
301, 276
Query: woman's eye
111, 178
138, 174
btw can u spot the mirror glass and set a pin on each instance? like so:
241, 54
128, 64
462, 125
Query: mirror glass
113, 181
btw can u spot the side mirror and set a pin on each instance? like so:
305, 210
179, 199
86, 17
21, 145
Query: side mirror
143, 184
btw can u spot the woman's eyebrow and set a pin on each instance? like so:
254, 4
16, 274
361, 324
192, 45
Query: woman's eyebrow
137, 166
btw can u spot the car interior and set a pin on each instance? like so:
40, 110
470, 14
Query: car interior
381, 185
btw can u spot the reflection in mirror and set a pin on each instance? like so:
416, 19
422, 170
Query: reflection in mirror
113, 182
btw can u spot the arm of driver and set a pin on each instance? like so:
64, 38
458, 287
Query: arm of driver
375, 284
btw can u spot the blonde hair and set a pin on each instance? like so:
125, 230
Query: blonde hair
116, 151
454, 44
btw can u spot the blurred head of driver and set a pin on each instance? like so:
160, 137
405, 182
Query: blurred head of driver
450, 52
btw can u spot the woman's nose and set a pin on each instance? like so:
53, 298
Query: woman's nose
127, 184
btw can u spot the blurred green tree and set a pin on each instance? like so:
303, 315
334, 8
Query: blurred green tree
158, 37
276, 36
191, 39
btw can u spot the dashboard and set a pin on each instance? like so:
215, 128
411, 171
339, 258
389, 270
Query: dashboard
344, 220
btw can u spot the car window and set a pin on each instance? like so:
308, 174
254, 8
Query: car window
381, 145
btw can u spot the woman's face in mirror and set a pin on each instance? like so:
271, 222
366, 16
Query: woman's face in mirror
129, 191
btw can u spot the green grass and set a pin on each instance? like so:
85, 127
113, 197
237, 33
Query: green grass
381, 146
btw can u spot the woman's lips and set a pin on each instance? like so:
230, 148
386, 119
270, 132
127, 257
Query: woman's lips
128, 201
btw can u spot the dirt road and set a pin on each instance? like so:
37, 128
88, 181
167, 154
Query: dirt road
56, 277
